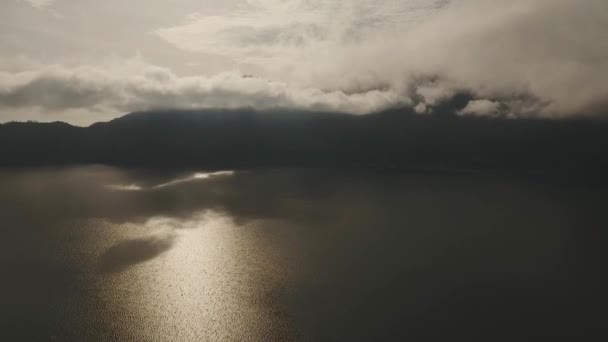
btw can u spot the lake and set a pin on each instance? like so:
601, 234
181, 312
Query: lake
103, 253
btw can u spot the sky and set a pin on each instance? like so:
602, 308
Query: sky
83, 61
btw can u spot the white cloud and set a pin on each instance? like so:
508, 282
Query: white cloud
481, 108
543, 57
531, 58
135, 85
281, 31
420, 108
38, 3
432, 93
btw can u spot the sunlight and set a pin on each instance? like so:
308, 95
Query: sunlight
193, 177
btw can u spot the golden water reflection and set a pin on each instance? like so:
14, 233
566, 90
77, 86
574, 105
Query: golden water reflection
213, 283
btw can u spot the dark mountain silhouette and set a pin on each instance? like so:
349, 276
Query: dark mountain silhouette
247, 138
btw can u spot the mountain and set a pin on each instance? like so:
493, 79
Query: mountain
220, 139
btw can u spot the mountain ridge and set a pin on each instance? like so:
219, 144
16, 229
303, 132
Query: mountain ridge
251, 138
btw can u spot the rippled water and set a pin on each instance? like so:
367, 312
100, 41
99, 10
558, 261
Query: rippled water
98, 253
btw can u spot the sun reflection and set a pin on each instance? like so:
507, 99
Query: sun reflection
193, 177
129, 187
207, 286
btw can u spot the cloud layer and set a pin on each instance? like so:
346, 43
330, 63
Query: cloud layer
38, 3
139, 86
545, 57
519, 58
285, 31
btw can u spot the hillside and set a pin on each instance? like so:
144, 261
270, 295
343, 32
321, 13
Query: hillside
247, 138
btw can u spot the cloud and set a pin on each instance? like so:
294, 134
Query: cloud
280, 31
39, 4
135, 85
535, 58
481, 108
420, 108
529, 58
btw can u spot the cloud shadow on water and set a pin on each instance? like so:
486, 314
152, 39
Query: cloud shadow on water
128, 253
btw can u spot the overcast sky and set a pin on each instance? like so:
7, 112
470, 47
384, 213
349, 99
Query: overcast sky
83, 61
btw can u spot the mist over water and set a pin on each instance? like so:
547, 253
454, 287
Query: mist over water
98, 253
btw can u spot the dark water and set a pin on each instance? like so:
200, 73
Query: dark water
99, 253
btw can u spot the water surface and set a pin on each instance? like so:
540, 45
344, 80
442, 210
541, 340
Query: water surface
98, 253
